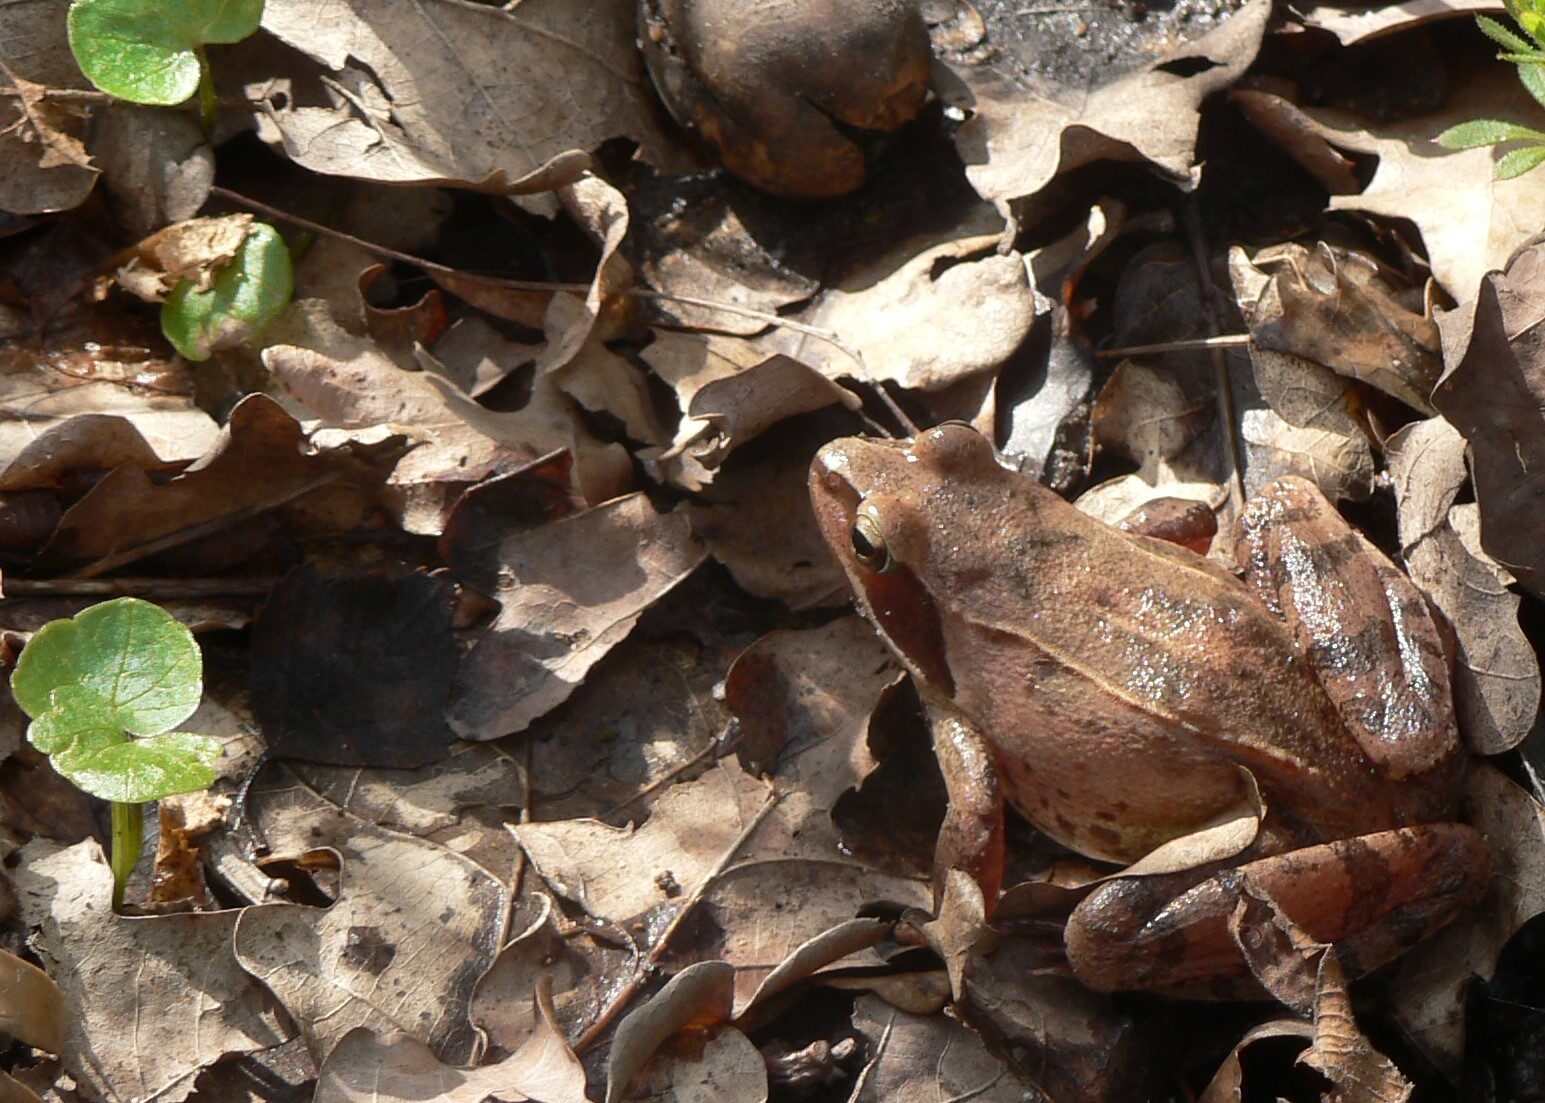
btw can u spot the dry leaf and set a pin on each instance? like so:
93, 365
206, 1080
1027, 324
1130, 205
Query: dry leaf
427, 801
696, 998
1352, 25
365, 961
1430, 982
31, 1006
571, 591
1496, 672
688, 362
156, 165
48, 435
725, 1066
131, 985
502, 99
1494, 393
619, 873
193, 250
1227, 1085
1469, 220
43, 165
263, 460
397, 1068
505, 1003
1311, 428
349, 382
1340, 465
1333, 307
918, 1059
1020, 136
646, 714
967, 308
756, 519
808, 958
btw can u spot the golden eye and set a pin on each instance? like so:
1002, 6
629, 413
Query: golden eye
869, 544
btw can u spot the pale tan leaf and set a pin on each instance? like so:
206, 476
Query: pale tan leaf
152, 1000
572, 590
31, 1005
403, 902
503, 99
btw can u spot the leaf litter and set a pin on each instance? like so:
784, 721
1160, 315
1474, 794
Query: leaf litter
554, 769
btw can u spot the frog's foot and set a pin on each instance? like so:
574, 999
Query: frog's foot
1373, 897
971, 837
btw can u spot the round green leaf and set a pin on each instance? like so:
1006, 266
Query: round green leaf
80, 717
124, 663
146, 51
138, 770
246, 295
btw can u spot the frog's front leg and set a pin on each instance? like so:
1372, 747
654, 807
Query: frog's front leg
971, 837
1373, 896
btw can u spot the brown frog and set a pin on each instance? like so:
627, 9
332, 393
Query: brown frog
1123, 692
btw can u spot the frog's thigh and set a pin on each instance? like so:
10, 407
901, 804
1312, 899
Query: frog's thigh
971, 837
1374, 896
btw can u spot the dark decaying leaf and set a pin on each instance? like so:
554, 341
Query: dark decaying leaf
1493, 392
919, 1059
355, 669
262, 462
1335, 308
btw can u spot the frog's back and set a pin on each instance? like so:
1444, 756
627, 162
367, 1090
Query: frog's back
1147, 677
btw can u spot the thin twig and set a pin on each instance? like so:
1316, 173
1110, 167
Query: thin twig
152, 589
763, 316
1194, 344
62, 95
624, 995
1220, 374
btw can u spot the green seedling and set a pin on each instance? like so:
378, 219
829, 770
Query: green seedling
104, 689
1528, 53
152, 51
244, 297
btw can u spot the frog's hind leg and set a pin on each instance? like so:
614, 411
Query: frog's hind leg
1373, 896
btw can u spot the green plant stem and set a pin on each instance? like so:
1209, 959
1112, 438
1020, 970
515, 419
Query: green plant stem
208, 102
128, 837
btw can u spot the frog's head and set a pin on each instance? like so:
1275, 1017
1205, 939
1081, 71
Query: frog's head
892, 513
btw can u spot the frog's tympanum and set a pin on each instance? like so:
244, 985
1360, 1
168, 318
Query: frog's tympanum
1122, 692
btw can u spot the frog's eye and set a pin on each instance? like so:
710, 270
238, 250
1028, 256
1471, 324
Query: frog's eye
869, 544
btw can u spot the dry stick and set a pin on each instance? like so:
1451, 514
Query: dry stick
762, 316
1195, 344
152, 589
1220, 375
625, 994
204, 528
